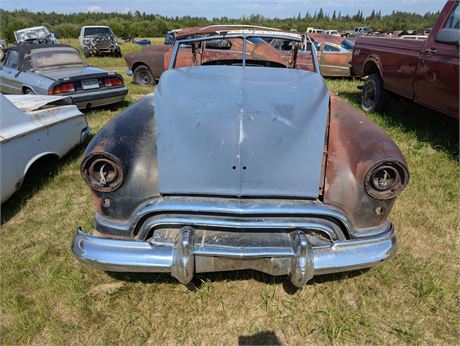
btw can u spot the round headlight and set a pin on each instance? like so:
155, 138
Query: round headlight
386, 180
102, 172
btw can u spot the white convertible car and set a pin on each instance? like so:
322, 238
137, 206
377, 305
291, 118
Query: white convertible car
32, 128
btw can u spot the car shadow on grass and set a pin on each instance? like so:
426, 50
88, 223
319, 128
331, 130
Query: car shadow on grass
200, 279
435, 128
39, 174
262, 338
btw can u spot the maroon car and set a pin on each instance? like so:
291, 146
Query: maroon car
425, 71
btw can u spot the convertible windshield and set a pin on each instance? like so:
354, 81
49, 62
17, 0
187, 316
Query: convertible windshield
98, 32
55, 58
265, 49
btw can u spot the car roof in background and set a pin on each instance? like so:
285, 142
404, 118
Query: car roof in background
326, 38
32, 28
26, 48
220, 29
95, 26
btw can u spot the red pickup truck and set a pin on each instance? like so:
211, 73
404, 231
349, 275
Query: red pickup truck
425, 71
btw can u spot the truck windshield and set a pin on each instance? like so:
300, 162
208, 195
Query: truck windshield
55, 58
98, 32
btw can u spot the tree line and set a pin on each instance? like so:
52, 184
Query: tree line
139, 24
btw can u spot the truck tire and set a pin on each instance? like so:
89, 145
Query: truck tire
373, 96
118, 52
143, 76
86, 52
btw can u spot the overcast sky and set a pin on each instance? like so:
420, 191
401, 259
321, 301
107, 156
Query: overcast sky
229, 8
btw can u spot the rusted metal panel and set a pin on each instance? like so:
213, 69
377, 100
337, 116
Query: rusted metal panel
355, 145
151, 56
131, 138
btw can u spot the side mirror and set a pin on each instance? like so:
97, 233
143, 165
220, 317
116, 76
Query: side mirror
2, 55
451, 36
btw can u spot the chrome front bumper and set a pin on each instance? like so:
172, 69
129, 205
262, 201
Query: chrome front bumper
192, 251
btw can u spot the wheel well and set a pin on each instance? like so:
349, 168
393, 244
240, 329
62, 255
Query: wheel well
25, 88
137, 64
369, 68
42, 160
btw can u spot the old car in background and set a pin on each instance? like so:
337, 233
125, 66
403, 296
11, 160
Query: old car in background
142, 42
36, 34
334, 54
315, 31
170, 36
98, 40
34, 128
359, 31
58, 70
332, 32
3, 46
425, 71
147, 65
241, 163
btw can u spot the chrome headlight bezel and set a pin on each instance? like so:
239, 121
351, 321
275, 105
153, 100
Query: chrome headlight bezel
386, 180
102, 171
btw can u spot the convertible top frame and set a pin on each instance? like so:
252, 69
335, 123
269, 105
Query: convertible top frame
245, 34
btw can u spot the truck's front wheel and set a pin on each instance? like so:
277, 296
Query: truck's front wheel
373, 97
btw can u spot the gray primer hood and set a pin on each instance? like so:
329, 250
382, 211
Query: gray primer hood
253, 131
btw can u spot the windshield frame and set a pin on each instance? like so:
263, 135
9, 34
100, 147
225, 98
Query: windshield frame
301, 38
97, 34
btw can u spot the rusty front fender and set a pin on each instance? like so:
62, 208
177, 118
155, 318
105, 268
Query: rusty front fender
130, 139
356, 144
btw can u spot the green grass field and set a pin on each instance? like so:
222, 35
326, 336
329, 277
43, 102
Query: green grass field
47, 297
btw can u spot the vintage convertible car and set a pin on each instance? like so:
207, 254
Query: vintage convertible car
54, 69
241, 164
147, 65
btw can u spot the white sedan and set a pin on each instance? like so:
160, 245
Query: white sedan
33, 128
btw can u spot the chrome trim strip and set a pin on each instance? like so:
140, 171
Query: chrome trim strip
298, 258
224, 206
239, 223
232, 207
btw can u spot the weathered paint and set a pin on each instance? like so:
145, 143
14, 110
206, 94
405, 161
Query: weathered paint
423, 71
355, 145
131, 137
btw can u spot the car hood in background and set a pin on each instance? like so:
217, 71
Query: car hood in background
253, 131
70, 71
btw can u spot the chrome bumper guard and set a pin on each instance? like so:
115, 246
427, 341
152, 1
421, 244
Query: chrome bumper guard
289, 253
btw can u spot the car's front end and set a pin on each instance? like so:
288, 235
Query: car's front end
230, 168
102, 45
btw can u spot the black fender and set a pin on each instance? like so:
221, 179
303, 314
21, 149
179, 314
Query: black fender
131, 138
